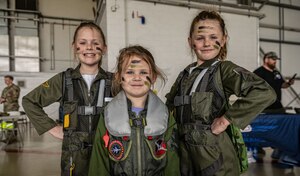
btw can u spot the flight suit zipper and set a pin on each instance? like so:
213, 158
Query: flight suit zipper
139, 153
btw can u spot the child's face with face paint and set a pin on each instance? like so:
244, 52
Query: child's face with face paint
89, 46
207, 40
136, 78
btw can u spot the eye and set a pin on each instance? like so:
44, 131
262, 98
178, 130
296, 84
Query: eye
144, 73
214, 37
82, 43
199, 38
129, 72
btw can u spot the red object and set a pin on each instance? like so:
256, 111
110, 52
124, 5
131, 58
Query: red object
106, 139
125, 138
150, 137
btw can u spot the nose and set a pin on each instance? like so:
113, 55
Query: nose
137, 77
89, 46
206, 42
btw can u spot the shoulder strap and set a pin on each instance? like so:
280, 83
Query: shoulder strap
108, 84
68, 84
210, 70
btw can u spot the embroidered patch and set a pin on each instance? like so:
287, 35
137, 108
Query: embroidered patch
46, 84
116, 149
160, 147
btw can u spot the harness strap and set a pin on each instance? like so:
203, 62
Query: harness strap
101, 93
197, 80
88, 110
69, 84
186, 99
182, 100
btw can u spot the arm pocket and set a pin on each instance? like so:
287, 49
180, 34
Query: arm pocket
70, 115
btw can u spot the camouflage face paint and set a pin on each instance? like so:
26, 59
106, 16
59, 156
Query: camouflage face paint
147, 83
218, 43
99, 49
132, 66
78, 48
148, 78
216, 47
205, 27
123, 79
135, 61
194, 46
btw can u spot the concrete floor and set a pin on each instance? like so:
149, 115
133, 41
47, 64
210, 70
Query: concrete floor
40, 156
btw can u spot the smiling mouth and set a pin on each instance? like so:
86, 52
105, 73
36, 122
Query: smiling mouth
89, 54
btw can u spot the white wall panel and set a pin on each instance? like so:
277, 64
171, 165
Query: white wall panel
166, 31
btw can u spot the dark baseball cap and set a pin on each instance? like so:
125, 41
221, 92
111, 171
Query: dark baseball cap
272, 55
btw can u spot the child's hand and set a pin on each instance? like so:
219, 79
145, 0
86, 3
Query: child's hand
219, 125
57, 132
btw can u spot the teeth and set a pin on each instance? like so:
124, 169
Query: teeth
89, 54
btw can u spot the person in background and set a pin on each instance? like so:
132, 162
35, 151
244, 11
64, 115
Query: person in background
199, 98
269, 73
10, 95
82, 93
135, 134
273, 77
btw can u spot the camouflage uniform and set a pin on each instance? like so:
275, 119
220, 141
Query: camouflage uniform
11, 94
203, 153
79, 134
130, 144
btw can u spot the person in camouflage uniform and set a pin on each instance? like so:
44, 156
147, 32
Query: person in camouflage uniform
199, 99
80, 93
135, 134
10, 95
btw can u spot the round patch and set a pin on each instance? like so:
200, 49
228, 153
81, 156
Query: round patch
116, 149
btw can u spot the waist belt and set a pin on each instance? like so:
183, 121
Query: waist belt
182, 100
196, 126
88, 110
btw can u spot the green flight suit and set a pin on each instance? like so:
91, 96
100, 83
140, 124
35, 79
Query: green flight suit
11, 94
78, 137
203, 153
140, 144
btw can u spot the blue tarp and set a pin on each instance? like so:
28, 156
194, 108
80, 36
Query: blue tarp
280, 131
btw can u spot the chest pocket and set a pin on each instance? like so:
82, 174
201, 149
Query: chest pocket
157, 147
201, 104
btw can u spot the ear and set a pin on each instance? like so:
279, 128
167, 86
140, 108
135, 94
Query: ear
154, 79
104, 50
224, 40
190, 42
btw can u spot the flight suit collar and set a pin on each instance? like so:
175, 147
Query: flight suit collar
100, 75
206, 64
117, 118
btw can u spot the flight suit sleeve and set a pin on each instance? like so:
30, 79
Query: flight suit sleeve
173, 164
99, 162
254, 94
173, 92
40, 97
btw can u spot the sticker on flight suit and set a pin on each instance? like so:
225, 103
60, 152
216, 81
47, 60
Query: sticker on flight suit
46, 84
116, 149
160, 147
